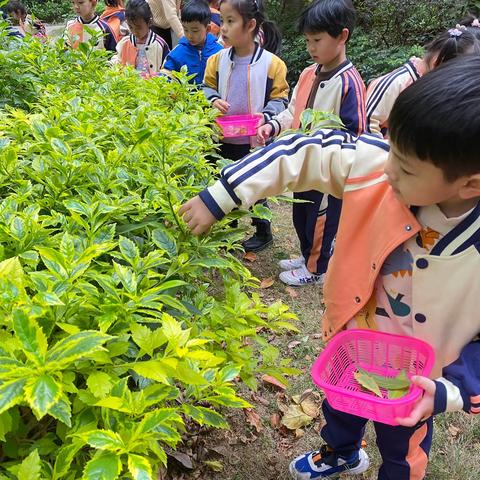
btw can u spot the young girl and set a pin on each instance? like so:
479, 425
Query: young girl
245, 78
143, 49
383, 92
25, 24
472, 23
114, 16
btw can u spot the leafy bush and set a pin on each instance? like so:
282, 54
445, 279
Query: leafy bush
391, 23
117, 326
50, 10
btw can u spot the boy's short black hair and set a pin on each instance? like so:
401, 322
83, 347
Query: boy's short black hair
138, 9
437, 119
196, 11
330, 16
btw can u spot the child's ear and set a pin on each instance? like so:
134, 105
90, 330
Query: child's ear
344, 35
251, 25
471, 188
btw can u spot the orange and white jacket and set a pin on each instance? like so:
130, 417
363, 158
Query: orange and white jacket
373, 224
156, 50
343, 94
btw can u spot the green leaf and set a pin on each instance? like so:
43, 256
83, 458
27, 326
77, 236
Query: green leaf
147, 339
11, 393
106, 466
103, 440
30, 468
186, 374
126, 276
205, 416
62, 411
99, 384
5, 425
41, 394
31, 336
173, 331
114, 403
367, 382
160, 370
60, 147
64, 458
164, 240
129, 249
153, 420
139, 467
76, 346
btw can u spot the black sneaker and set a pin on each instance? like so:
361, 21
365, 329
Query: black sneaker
257, 243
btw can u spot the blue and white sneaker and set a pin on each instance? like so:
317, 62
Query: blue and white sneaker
324, 463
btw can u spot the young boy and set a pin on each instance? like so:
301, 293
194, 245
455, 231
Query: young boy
215, 22
76, 33
114, 16
332, 84
406, 256
197, 46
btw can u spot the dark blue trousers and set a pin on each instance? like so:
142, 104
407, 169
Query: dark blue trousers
316, 224
404, 450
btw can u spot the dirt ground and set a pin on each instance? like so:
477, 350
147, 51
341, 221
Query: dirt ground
262, 449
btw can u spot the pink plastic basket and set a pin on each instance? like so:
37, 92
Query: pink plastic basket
379, 353
238, 125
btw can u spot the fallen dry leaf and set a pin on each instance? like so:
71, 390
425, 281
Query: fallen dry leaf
275, 420
182, 458
454, 431
250, 256
292, 292
317, 335
267, 282
259, 399
293, 344
282, 406
253, 418
296, 418
299, 433
311, 406
273, 381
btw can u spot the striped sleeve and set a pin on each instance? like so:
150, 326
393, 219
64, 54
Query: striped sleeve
284, 120
352, 109
210, 81
381, 96
459, 388
295, 162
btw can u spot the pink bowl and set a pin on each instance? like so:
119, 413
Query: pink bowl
238, 125
379, 353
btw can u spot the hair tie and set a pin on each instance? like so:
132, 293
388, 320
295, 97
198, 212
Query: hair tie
457, 31
476, 23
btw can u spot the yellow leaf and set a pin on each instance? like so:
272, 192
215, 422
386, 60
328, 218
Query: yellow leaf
296, 418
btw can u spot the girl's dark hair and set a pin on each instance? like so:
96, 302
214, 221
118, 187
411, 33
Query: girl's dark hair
253, 9
112, 3
450, 44
13, 7
138, 9
330, 16
472, 23
196, 11
437, 118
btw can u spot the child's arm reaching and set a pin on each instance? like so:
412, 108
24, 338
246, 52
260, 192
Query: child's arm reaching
457, 389
296, 162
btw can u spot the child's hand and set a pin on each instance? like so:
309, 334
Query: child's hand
197, 216
263, 133
424, 407
221, 105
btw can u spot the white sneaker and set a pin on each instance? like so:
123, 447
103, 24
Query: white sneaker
300, 276
291, 263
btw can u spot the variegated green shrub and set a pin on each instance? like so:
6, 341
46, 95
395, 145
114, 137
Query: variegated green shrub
116, 325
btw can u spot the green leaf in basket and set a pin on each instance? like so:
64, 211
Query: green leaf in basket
400, 382
396, 387
367, 382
